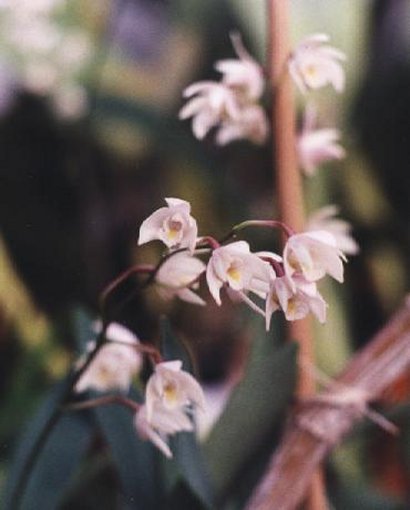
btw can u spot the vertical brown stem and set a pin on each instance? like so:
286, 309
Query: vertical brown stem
289, 188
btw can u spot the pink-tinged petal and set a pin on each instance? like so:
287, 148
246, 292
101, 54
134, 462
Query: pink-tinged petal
146, 431
174, 365
313, 254
315, 40
202, 123
178, 202
319, 308
228, 132
313, 65
251, 124
269, 255
239, 47
321, 236
272, 305
240, 246
198, 87
149, 227
214, 284
324, 219
193, 389
193, 107
337, 77
333, 53
173, 225
296, 76
244, 73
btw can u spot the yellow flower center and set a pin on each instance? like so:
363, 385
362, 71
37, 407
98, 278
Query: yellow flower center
291, 306
174, 228
311, 70
234, 273
170, 393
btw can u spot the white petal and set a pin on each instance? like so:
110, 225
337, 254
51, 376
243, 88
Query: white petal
190, 297
150, 227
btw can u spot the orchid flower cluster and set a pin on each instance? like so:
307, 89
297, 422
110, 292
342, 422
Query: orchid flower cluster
42, 56
232, 105
286, 282
171, 394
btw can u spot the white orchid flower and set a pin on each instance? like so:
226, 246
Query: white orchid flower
251, 124
172, 388
212, 103
244, 75
162, 423
314, 64
313, 255
296, 297
317, 146
235, 266
324, 219
178, 275
173, 225
115, 364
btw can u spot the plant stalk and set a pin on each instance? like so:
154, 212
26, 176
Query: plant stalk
289, 189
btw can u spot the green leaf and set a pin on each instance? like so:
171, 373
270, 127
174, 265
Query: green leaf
83, 328
189, 463
172, 348
255, 408
58, 459
183, 497
136, 461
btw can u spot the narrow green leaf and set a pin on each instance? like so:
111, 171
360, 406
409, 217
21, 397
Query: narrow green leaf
83, 328
255, 408
57, 460
183, 497
135, 460
189, 463
172, 348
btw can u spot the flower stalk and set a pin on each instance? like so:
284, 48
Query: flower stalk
289, 187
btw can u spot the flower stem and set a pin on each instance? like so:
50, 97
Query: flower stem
137, 269
289, 188
264, 224
103, 401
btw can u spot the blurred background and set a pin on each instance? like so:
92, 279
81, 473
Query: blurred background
90, 144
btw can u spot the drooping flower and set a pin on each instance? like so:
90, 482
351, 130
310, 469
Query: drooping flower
173, 225
231, 105
210, 104
115, 364
314, 64
317, 146
313, 255
243, 75
251, 124
235, 266
162, 423
178, 275
324, 219
296, 297
172, 389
